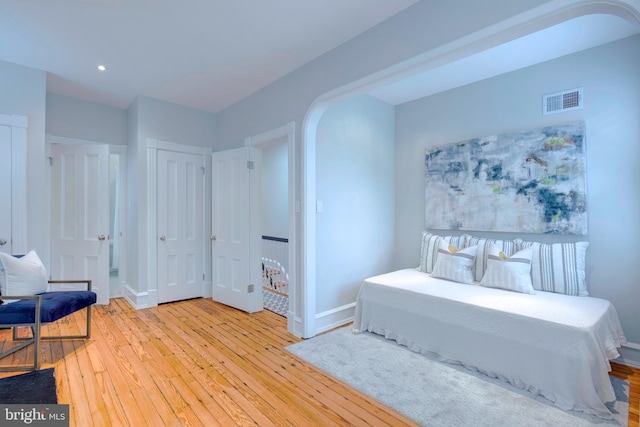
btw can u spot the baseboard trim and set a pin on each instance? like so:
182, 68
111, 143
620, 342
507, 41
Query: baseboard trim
138, 300
629, 355
207, 289
296, 324
335, 317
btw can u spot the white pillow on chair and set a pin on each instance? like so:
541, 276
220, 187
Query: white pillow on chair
22, 276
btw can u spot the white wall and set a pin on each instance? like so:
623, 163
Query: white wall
23, 92
175, 123
275, 191
85, 120
355, 175
611, 80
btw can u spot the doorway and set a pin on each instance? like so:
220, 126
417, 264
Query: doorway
87, 204
274, 228
177, 203
180, 216
5, 189
278, 230
117, 218
80, 215
13, 184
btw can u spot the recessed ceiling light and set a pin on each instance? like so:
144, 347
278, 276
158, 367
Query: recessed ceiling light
102, 67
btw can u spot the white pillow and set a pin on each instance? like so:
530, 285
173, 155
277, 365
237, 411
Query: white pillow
22, 276
430, 245
511, 273
506, 246
558, 267
453, 264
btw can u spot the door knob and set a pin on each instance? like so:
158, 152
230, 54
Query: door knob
163, 238
3, 241
213, 238
102, 237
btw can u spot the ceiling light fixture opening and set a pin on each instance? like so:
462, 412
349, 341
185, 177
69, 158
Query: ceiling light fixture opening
102, 67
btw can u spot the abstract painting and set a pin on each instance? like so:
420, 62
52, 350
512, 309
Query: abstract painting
531, 181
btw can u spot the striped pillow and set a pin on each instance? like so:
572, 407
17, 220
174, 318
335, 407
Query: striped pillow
456, 265
511, 273
558, 267
429, 248
480, 266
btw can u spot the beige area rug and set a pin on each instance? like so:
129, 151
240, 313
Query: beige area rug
439, 394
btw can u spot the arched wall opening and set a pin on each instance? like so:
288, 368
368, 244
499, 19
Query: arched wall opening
531, 22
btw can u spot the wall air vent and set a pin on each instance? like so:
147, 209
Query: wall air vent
567, 100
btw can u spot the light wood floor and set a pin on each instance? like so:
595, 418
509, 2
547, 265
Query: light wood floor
199, 363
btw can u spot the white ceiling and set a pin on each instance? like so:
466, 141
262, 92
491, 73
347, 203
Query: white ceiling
216, 52
568, 37
206, 54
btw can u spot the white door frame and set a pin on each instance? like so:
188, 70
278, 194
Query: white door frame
263, 140
153, 145
121, 151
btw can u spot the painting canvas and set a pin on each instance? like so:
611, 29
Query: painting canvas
530, 181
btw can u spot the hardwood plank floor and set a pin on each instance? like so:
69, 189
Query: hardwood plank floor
200, 363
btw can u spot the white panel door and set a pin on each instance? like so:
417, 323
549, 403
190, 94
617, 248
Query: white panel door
235, 236
80, 215
5, 189
180, 226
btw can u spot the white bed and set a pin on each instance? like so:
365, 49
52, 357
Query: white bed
555, 345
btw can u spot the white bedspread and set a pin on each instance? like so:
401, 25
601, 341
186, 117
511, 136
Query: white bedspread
556, 345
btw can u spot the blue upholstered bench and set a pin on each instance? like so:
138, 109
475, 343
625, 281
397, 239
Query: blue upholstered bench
51, 306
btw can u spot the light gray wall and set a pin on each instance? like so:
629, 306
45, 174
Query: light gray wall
611, 80
23, 92
355, 175
275, 191
413, 31
175, 123
80, 119
418, 29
